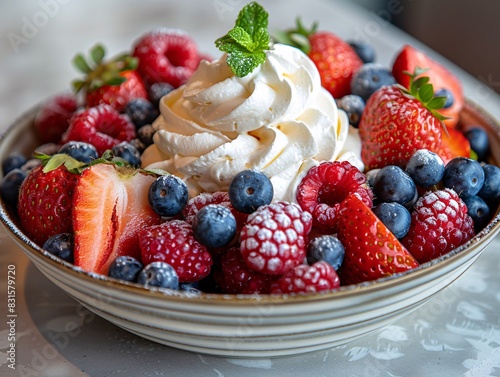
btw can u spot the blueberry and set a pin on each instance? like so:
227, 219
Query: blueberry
365, 51
369, 78
395, 217
479, 141
392, 184
79, 150
128, 152
13, 161
141, 112
445, 93
125, 268
250, 189
159, 274
490, 192
214, 226
426, 168
354, 106
145, 134
168, 195
158, 90
464, 175
9, 188
327, 248
478, 210
61, 245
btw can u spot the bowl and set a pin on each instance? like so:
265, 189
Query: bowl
252, 325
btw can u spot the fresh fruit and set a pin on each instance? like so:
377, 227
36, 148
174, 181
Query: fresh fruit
397, 122
307, 279
159, 274
453, 144
443, 92
335, 59
371, 250
395, 217
464, 175
145, 135
157, 91
354, 106
478, 210
127, 152
327, 248
52, 120
365, 51
125, 268
166, 55
426, 168
10, 185
13, 161
409, 58
439, 223
490, 191
250, 189
369, 78
214, 226
478, 140
110, 207
141, 112
174, 242
45, 202
237, 278
168, 195
79, 150
61, 245
273, 240
325, 186
102, 126
392, 184
113, 82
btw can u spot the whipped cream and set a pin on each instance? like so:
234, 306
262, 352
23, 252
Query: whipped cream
278, 119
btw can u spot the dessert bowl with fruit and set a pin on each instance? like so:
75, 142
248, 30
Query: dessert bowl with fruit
283, 198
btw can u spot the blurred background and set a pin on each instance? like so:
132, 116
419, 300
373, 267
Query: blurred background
465, 32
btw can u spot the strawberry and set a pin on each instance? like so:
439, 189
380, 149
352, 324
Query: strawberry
325, 186
409, 58
114, 82
397, 122
166, 55
102, 126
453, 144
335, 59
439, 223
45, 203
110, 207
273, 240
371, 250
52, 120
174, 242
307, 279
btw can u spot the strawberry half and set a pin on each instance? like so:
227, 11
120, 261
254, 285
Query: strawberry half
371, 250
110, 207
440, 77
453, 144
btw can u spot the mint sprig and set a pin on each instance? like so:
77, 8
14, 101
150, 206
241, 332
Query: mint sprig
247, 42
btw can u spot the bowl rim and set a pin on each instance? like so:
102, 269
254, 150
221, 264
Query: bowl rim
32, 250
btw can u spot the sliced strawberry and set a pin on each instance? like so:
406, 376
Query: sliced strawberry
440, 77
110, 206
371, 250
453, 144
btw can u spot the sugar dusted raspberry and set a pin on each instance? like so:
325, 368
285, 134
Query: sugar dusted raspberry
439, 224
325, 186
273, 240
307, 279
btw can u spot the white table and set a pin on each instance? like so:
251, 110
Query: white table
455, 334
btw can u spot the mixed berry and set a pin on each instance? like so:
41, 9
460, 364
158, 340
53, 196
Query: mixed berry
83, 196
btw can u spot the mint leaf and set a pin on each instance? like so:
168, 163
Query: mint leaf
245, 44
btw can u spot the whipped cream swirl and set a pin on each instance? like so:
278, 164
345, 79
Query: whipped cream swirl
278, 119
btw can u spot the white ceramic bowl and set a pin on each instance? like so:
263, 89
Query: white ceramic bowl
252, 326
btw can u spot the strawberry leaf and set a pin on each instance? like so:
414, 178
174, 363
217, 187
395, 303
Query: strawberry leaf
81, 64
97, 53
246, 43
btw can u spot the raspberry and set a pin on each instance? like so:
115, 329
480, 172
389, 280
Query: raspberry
166, 55
102, 126
173, 242
52, 120
307, 279
273, 240
325, 186
236, 277
439, 224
